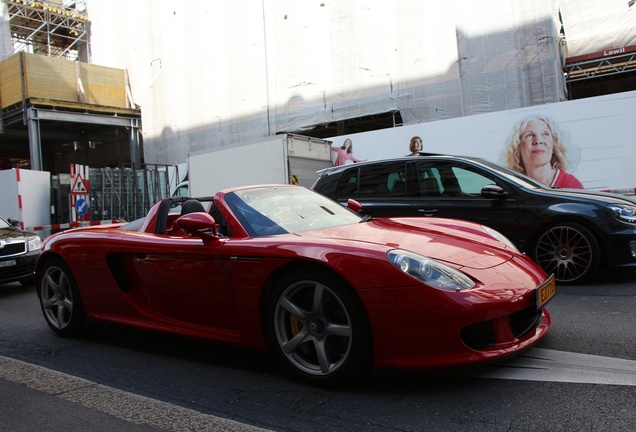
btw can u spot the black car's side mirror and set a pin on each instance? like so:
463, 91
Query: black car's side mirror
493, 191
13, 221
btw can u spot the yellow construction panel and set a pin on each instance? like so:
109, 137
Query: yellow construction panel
50, 78
10, 81
103, 85
47, 78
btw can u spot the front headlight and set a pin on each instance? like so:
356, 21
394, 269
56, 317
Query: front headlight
624, 213
429, 271
500, 237
35, 243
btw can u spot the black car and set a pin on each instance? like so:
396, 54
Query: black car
18, 252
572, 233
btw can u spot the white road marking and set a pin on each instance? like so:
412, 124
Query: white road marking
538, 364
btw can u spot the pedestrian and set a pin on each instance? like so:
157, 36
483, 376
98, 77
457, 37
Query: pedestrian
415, 146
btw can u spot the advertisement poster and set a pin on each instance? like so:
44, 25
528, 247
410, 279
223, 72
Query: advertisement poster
588, 143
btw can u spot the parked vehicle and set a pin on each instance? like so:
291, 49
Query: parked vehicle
284, 268
285, 158
571, 233
18, 253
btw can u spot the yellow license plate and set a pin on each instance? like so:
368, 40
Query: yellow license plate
545, 292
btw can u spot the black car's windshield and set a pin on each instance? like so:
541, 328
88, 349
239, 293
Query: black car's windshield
514, 176
288, 209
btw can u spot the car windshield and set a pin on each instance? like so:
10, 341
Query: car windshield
4, 223
281, 210
133, 225
514, 176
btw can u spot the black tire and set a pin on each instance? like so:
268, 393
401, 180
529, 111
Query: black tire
60, 299
568, 250
319, 330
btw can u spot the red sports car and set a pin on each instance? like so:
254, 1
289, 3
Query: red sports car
283, 268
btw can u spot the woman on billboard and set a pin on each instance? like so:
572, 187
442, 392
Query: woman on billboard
537, 149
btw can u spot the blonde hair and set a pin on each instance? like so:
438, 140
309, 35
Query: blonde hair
512, 155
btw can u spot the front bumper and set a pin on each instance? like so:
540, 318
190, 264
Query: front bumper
17, 268
419, 332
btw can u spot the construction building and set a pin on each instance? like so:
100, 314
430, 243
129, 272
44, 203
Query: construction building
78, 77
56, 106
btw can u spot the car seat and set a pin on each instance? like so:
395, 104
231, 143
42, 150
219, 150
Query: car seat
192, 206
451, 187
430, 187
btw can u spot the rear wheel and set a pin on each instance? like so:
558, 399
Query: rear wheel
60, 299
319, 329
568, 250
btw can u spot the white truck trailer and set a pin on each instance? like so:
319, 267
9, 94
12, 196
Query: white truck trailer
286, 158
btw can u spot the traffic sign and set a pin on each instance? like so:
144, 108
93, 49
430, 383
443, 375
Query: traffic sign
79, 186
81, 207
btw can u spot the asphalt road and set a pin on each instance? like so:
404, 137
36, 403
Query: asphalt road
582, 376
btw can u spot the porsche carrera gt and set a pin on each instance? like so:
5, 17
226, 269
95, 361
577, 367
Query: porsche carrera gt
330, 293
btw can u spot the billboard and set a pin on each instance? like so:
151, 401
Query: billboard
592, 140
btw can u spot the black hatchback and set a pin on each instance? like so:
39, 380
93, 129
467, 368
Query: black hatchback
572, 233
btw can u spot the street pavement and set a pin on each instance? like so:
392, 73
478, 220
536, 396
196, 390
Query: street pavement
33, 398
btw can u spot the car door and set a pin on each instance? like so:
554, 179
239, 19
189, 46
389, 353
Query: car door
452, 189
383, 189
180, 280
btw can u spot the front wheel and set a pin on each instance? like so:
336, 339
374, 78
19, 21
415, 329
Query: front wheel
60, 299
318, 328
568, 250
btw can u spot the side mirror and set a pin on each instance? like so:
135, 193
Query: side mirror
13, 221
198, 224
354, 205
493, 191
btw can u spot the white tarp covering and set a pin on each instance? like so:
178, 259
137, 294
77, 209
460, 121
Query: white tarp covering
209, 74
597, 26
6, 48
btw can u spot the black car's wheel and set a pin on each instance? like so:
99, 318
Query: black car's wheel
568, 250
60, 299
319, 329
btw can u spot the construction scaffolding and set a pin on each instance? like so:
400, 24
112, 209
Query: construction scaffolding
50, 92
55, 28
127, 194
611, 62
123, 194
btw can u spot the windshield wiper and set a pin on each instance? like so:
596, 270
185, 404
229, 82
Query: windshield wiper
366, 218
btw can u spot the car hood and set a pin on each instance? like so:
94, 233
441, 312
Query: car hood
12, 233
463, 244
606, 197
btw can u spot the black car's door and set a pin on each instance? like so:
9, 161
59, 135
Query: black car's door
452, 189
384, 190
